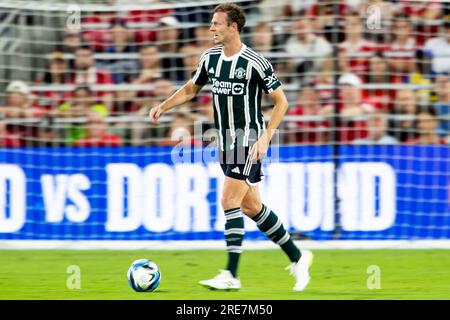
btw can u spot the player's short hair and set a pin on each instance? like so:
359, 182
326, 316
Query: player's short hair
234, 14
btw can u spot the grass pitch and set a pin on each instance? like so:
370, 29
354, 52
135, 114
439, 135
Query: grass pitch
336, 274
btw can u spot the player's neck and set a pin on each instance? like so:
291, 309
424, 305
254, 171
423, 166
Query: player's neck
232, 47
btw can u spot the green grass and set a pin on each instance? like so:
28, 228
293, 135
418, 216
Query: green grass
336, 274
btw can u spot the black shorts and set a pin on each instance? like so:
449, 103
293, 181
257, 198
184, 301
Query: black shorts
236, 164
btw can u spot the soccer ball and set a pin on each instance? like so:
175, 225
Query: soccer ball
144, 275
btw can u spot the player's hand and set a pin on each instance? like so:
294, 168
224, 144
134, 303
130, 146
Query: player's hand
259, 149
155, 113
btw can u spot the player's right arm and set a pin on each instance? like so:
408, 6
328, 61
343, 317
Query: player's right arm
187, 92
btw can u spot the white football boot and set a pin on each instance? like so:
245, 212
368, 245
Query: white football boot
223, 281
300, 270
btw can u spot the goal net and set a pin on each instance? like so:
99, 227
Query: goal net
362, 154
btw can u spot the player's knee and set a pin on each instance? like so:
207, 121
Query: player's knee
229, 202
250, 209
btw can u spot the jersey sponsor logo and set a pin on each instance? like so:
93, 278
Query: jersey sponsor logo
238, 88
227, 87
270, 80
211, 70
221, 87
240, 73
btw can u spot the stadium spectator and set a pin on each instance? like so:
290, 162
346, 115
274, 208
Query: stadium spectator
442, 106
149, 65
377, 125
420, 10
120, 37
352, 96
121, 69
86, 73
355, 48
422, 77
57, 73
379, 74
180, 132
8, 138
145, 71
18, 102
191, 58
379, 71
97, 134
82, 101
403, 46
427, 124
72, 41
203, 38
425, 16
402, 124
324, 9
47, 133
322, 16
95, 29
262, 38
268, 9
439, 48
325, 77
311, 131
168, 44
307, 49
147, 35
351, 107
294, 8
162, 88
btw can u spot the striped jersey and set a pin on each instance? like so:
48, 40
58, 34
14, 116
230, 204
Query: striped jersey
237, 83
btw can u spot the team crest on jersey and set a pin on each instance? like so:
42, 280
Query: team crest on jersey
240, 73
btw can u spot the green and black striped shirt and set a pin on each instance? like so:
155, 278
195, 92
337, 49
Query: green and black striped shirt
237, 83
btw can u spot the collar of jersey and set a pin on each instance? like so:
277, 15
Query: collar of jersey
234, 56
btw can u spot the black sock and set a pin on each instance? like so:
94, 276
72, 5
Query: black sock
234, 234
272, 227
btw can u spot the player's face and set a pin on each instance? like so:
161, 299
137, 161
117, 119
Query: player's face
220, 29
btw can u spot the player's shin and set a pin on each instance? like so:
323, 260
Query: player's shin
268, 222
234, 234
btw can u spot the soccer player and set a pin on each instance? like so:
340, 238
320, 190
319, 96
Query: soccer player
238, 76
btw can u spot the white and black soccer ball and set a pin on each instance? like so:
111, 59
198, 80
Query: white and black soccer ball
144, 275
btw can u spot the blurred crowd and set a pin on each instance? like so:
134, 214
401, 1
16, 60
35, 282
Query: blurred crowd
389, 59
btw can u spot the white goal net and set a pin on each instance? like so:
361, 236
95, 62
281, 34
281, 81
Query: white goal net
362, 154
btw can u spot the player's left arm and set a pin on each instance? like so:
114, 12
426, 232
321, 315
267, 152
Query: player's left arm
280, 108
